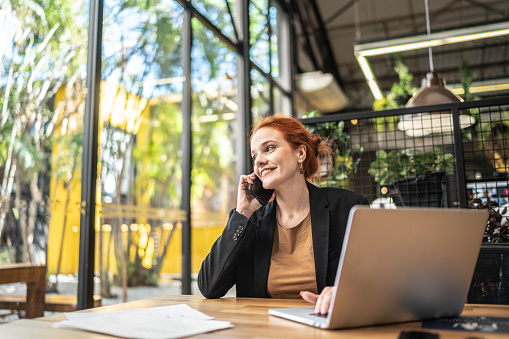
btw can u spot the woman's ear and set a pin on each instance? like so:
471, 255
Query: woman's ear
301, 152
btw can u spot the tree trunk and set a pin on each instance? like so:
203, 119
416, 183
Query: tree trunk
35, 202
9, 172
69, 188
20, 205
107, 284
124, 264
102, 275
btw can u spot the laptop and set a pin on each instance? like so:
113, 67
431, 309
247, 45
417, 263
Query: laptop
400, 265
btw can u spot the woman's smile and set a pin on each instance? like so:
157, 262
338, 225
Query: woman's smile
265, 172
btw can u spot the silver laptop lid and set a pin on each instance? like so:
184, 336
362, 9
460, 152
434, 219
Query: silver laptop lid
405, 264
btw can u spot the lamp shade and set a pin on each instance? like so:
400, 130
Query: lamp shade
433, 91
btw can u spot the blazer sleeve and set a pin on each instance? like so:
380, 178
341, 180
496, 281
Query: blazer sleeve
217, 271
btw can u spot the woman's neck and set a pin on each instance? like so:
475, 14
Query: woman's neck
292, 204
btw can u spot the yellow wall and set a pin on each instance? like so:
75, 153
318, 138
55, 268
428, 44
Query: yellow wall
201, 242
69, 261
136, 121
202, 239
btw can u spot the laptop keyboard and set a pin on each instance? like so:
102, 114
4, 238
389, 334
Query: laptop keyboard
319, 315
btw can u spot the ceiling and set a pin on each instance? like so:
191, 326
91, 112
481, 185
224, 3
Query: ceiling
333, 27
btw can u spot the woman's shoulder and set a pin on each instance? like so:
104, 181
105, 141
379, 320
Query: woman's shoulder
334, 190
339, 192
342, 194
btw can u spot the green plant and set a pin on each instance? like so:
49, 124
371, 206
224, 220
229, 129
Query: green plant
398, 96
390, 166
497, 228
344, 165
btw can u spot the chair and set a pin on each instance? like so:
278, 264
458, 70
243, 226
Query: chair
490, 282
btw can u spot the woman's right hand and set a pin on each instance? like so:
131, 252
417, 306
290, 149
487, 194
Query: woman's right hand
246, 202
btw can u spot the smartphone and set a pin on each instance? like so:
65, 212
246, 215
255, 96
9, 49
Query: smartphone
261, 194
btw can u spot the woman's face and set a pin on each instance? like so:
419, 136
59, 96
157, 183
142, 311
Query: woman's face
274, 160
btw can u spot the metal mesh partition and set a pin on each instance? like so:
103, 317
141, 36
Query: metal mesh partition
454, 155
433, 156
486, 155
490, 283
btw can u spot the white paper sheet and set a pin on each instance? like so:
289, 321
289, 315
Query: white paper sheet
174, 321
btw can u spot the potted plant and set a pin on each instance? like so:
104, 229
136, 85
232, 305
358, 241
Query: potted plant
419, 177
497, 227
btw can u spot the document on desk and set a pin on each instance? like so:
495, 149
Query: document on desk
164, 322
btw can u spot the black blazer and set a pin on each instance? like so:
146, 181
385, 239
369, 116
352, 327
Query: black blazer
241, 255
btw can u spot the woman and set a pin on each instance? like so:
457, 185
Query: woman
290, 247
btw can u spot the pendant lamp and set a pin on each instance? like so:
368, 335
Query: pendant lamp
433, 91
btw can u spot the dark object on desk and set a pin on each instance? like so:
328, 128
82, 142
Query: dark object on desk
470, 324
417, 335
490, 283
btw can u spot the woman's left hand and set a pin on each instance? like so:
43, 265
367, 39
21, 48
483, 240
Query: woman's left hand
322, 301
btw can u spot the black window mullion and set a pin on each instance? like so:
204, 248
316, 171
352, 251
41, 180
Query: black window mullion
244, 165
186, 146
90, 158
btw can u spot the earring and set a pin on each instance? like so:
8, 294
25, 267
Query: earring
301, 169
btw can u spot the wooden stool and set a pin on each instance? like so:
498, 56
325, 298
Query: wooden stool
54, 302
35, 278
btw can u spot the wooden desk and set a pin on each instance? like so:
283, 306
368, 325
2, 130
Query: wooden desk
249, 317
35, 278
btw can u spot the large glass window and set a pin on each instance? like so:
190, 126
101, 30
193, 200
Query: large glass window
43, 51
260, 93
43, 58
259, 34
273, 15
265, 28
278, 106
214, 112
139, 169
220, 13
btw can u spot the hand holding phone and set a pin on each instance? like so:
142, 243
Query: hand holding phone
261, 194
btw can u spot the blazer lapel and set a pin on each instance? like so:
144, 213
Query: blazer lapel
263, 249
320, 229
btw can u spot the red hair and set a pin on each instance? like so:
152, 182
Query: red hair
296, 134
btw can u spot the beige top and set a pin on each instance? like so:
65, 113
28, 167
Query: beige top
292, 265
